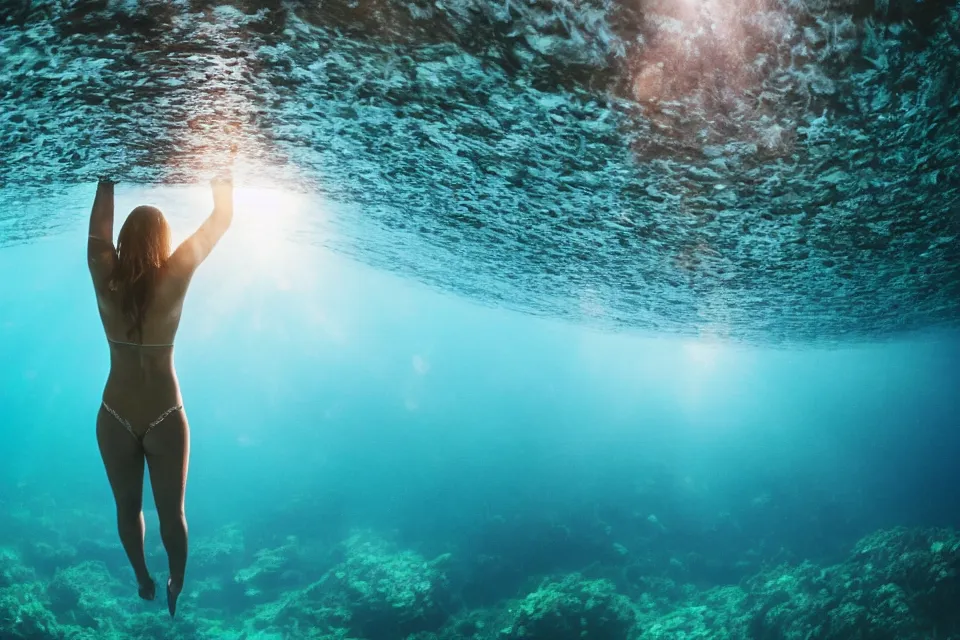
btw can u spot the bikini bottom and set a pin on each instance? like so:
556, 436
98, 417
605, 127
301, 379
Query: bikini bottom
129, 427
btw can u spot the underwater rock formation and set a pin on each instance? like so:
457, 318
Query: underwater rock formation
23, 615
272, 572
388, 591
898, 584
374, 590
221, 552
12, 569
765, 170
571, 609
84, 595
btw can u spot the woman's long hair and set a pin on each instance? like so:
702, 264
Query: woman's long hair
142, 249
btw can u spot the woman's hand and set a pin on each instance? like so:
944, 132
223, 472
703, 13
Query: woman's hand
222, 193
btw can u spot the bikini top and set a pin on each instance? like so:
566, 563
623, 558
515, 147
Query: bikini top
129, 344
137, 344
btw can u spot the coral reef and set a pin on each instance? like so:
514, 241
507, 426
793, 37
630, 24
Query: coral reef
375, 590
895, 584
389, 590
572, 609
898, 584
273, 571
86, 595
25, 616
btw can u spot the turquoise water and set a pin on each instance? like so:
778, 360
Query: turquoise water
375, 459
538, 320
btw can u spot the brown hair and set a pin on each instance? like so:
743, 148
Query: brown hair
142, 249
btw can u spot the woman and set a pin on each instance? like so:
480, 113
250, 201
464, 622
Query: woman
140, 287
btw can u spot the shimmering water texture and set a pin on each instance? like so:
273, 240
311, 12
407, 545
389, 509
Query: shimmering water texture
769, 171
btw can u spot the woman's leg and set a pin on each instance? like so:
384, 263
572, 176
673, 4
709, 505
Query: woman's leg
123, 459
167, 447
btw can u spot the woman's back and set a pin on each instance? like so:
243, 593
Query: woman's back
161, 317
142, 381
140, 288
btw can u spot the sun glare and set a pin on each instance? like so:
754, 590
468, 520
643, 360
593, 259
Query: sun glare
263, 220
259, 252
701, 356
259, 257
699, 373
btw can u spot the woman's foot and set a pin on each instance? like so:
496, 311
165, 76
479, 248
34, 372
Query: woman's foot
173, 592
148, 588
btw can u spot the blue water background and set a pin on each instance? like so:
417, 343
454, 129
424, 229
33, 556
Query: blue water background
325, 395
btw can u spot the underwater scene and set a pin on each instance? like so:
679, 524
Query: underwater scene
516, 319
